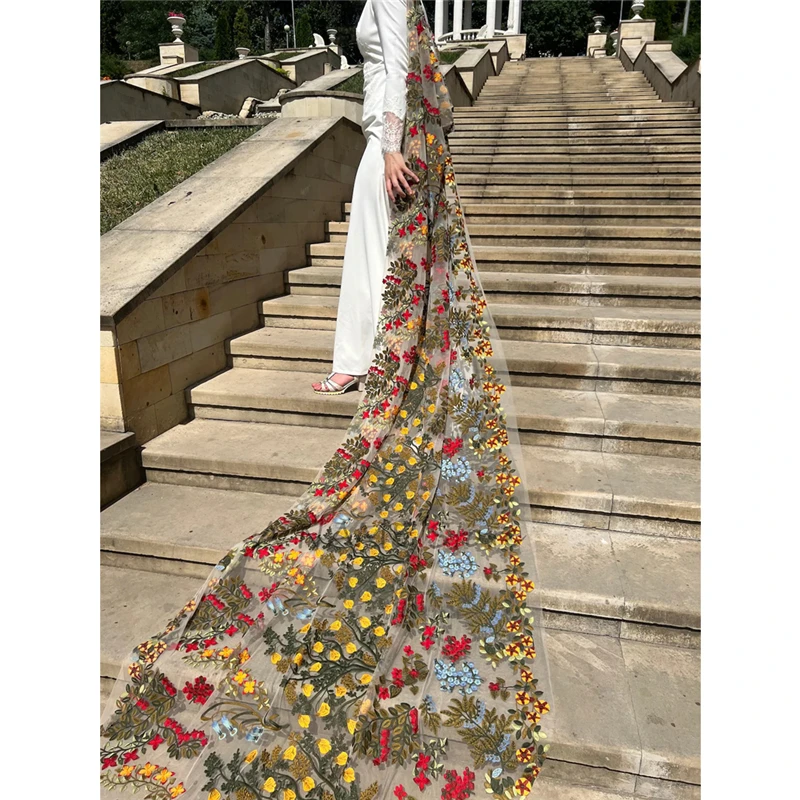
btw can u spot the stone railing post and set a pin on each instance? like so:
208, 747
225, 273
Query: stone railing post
596, 43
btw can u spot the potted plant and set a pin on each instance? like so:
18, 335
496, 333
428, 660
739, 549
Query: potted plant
177, 20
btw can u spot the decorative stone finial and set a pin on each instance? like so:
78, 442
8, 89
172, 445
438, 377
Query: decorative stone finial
332, 35
615, 40
177, 20
598, 22
637, 7
243, 52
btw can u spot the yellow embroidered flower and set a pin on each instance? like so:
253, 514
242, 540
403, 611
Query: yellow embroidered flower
308, 689
318, 647
339, 690
336, 625
364, 622
334, 655
341, 759
323, 710
324, 746
366, 597
379, 631
304, 720
349, 603
275, 658
353, 582
298, 658
315, 667
244, 656
365, 679
163, 776
308, 783
289, 753
349, 775
351, 726
148, 769
241, 676
351, 648
249, 687
388, 609
250, 757
289, 794
214, 794
380, 582
126, 771
177, 791
269, 785
226, 652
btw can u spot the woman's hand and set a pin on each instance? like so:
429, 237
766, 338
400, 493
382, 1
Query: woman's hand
398, 176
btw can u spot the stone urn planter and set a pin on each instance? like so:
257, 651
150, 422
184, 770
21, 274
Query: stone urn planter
637, 8
598, 22
243, 51
177, 21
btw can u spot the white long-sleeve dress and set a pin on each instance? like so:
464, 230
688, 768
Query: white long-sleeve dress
383, 41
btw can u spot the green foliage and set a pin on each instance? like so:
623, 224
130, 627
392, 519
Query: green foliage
137, 176
223, 38
200, 30
112, 66
556, 27
450, 56
241, 29
195, 68
304, 31
664, 13
354, 84
687, 47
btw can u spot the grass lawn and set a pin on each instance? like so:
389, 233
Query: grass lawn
450, 56
191, 70
354, 84
137, 176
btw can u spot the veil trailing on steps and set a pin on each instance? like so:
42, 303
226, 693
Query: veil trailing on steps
377, 640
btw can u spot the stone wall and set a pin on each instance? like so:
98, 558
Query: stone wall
226, 87
475, 67
120, 100
301, 103
311, 65
186, 273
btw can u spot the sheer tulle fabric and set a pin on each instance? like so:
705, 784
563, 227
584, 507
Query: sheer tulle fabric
377, 640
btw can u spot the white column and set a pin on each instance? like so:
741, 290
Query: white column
515, 16
438, 19
491, 17
458, 18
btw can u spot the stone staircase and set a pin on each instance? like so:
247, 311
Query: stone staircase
581, 191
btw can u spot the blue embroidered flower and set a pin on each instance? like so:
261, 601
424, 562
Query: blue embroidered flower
456, 469
457, 563
466, 679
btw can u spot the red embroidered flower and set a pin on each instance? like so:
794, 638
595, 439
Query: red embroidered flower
397, 678
454, 648
400, 792
155, 742
199, 691
109, 762
383, 693
458, 787
456, 539
131, 755
167, 684
494, 687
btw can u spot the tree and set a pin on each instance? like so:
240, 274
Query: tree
223, 44
241, 29
200, 29
663, 12
556, 27
304, 32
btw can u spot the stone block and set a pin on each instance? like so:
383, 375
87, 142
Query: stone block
111, 403
177, 283
171, 411
183, 307
129, 365
161, 348
107, 339
216, 268
244, 319
199, 365
143, 424
146, 390
146, 318
108, 365
210, 331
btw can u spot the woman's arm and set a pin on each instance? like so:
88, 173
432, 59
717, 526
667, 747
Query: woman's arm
390, 16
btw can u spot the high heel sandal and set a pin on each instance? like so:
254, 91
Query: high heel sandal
335, 389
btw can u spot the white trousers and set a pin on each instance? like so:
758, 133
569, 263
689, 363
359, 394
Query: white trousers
365, 259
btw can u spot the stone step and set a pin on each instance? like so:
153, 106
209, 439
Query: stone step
520, 234
620, 325
566, 179
652, 195
491, 148
603, 368
568, 137
500, 103
565, 214
643, 588
540, 259
633, 493
570, 129
626, 707
495, 168
514, 160
551, 289
532, 113
614, 423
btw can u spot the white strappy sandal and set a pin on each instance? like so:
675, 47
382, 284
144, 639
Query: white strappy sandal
331, 387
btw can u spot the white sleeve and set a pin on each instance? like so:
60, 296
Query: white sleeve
390, 17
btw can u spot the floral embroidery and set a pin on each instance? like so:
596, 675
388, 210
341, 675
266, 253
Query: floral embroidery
303, 659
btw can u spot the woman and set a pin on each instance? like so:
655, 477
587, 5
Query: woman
382, 175
377, 640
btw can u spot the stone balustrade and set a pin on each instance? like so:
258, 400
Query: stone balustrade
185, 273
